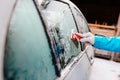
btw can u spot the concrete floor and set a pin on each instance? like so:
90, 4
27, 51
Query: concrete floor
105, 70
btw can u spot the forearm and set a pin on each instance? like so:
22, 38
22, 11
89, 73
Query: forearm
110, 44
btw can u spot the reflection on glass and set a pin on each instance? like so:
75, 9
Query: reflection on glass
82, 24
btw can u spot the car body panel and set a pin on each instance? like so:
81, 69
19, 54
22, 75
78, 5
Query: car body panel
80, 70
6, 8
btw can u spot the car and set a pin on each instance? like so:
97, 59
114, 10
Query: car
36, 41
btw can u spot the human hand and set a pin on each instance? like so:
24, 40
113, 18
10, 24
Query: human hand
87, 37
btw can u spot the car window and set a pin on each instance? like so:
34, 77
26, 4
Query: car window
27, 54
82, 24
61, 22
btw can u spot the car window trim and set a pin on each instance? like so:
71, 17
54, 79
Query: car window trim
53, 53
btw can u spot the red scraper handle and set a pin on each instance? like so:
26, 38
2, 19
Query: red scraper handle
75, 36
78, 36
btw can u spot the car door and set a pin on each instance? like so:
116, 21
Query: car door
74, 63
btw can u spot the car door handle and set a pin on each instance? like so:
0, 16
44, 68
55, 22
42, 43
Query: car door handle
91, 60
